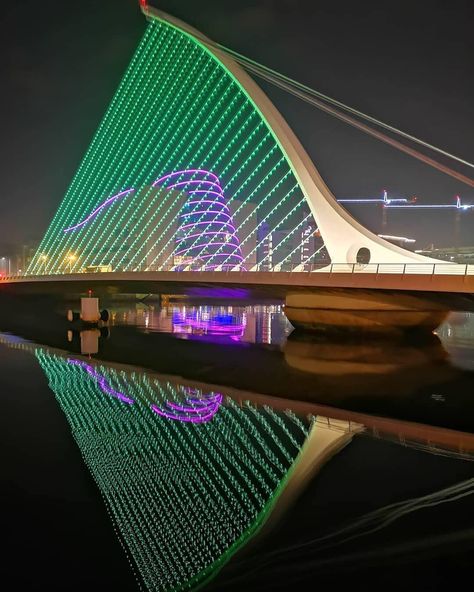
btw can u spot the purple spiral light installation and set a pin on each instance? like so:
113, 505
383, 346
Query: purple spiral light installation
206, 237
197, 409
206, 232
101, 381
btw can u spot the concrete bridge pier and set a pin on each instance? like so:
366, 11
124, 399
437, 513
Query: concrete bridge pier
365, 310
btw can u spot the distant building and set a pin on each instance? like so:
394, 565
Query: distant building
16, 263
451, 254
5, 266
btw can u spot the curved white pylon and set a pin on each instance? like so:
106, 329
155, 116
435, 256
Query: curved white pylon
343, 236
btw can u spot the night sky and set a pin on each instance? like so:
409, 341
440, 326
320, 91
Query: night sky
409, 64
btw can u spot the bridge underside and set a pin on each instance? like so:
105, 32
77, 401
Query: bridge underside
338, 290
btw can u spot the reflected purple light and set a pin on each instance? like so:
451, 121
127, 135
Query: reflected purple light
101, 207
216, 327
200, 323
101, 381
201, 410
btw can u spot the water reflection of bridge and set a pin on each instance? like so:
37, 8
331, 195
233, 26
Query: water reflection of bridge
191, 472
372, 297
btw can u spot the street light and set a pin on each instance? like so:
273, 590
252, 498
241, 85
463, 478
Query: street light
71, 260
6, 265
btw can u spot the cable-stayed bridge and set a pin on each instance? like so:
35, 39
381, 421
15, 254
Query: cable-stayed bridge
194, 172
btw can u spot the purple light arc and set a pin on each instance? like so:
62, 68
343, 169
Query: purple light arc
207, 192
195, 182
125, 192
194, 212
201, 201
209, 222
103, 205
193, 411
101, 381
185, 171
214, 188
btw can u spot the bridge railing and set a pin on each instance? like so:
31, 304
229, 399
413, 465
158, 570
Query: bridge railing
459, 269
401, 268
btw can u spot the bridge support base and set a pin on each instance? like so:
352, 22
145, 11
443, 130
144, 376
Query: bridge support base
365, 310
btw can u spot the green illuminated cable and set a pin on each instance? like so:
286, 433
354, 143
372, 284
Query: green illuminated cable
177, 108
124, 143
103, 134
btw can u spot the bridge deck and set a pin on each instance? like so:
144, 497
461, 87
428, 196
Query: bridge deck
442, 278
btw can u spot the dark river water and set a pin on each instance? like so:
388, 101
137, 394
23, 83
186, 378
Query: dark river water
213, 447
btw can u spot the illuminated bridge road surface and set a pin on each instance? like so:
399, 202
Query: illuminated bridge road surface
259, 284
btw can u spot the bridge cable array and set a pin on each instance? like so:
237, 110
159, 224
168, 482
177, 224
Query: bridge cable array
331, 106
289, 83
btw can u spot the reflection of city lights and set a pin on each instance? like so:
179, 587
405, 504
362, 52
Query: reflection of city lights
219, 324
207, 321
